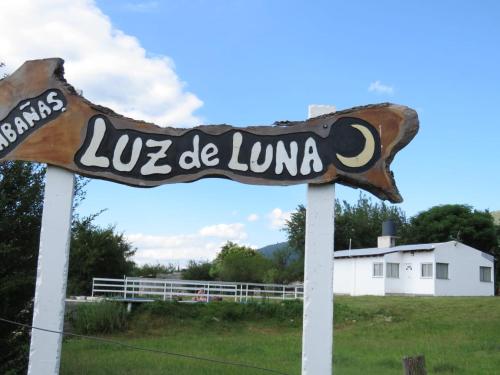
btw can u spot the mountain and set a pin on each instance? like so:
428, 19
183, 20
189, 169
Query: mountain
269, 250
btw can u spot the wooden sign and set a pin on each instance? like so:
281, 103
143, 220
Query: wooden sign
43, 119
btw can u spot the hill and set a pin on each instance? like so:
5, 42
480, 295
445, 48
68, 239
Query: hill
269, 250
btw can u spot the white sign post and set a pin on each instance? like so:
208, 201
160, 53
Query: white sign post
317, 334
52, 272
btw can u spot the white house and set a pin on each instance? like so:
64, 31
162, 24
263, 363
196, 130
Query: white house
434, 269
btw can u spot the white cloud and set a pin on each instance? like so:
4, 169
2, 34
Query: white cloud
234, 231
253, 217
174, 248
203, 245
380, 88
278, 218
111, 67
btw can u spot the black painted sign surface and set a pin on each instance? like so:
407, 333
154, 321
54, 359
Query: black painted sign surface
352, 145
28, 116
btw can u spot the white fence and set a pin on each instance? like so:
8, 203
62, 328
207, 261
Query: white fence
188, 290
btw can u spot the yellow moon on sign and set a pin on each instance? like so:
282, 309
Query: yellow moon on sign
365, 155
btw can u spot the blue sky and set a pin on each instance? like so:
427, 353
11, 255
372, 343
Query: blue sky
255, 62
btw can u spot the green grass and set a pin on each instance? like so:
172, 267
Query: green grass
106, 317
372, 335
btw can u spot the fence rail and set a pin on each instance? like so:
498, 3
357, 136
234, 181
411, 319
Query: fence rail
191, 290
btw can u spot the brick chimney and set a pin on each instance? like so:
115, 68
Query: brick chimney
388, 237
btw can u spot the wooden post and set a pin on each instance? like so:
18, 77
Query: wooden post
317, 336
52, 272
414, 365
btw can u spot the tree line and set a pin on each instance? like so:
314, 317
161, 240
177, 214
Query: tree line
356, 226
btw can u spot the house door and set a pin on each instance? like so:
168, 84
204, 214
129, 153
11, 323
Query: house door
408, 270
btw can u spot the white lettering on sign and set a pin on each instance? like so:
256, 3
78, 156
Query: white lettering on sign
26, 117
155, 156
209, 151
117, 155
89, 158
310, 155
191, 159
150, 167
52, 99
234, 163
254, 157
285, 160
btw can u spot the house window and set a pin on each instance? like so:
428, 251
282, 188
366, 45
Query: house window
393, 270
378, 269
426, 270
485, 274
441, 270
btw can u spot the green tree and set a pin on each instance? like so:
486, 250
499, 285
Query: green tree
360, 222
453, 222
96, 252
197, 271
21, 202
239, 263
496, 253
286, 267
152, 270
295, 228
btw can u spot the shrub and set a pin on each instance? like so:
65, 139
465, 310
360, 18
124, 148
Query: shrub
102, 317
197, 271
224, 311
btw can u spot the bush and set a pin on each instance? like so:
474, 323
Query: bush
224, 311
197, 271
239, 263
102, 317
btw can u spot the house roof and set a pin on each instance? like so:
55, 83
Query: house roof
374, 251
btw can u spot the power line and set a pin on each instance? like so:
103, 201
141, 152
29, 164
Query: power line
156, 351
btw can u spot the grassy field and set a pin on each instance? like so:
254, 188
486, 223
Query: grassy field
372, 334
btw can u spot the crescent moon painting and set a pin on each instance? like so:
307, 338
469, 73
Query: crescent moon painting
365, 155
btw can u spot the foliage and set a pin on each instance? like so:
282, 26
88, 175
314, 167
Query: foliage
21, 204
239, 263
102, 318
496, 253
21, 197
360, 223
286, 267
152, 270
453, 222
96, 252
223, 311
197, 271
295, 228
